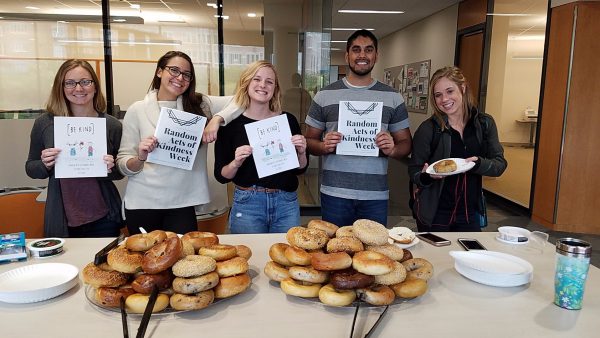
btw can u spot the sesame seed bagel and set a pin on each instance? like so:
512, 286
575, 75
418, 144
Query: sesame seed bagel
307, 239
370, 232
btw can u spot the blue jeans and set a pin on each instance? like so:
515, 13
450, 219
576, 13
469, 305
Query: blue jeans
255, 212
342, 211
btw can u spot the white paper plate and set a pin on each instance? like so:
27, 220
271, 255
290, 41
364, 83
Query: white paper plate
461, 167
492, 262
491, 278
407, 245
38, 282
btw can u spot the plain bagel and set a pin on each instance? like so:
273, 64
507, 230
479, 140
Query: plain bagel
300, 289
372, 263
331, 296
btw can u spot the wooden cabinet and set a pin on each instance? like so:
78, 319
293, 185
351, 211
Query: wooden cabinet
567, 180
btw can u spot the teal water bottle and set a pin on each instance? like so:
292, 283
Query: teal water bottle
572, 264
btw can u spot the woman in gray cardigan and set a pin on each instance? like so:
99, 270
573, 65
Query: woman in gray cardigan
456, 130
76, 207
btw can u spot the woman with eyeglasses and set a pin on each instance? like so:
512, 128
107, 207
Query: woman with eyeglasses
160, 197
76, 207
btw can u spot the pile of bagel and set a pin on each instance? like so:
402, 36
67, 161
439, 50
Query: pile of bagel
339, 264
190, 272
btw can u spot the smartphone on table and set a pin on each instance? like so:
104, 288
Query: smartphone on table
432, 239
470, 244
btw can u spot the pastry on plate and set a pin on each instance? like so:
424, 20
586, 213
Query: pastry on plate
445, 166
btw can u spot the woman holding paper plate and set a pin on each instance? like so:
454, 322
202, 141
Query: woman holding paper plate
160, 196
451, 198
76, 207
269, 203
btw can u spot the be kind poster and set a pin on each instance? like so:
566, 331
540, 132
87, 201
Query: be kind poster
359, 122
179, 136
272, 148
82, 141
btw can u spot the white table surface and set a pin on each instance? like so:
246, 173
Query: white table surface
453, 307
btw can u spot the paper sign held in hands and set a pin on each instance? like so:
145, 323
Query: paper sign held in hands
82, 141
272, 148
359, 122
179, 136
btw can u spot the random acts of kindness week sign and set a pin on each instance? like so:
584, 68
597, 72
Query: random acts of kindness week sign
179, 136
359, 122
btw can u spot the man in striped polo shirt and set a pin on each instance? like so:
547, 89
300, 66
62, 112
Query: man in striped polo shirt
354, 187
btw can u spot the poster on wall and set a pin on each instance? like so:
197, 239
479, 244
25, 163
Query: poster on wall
412, 82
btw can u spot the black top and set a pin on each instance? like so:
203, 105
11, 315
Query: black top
233, 136
453, 193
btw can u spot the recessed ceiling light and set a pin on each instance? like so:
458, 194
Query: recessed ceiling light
367, 11
212, 4
252, 15
225, 17
349, 29
32, 7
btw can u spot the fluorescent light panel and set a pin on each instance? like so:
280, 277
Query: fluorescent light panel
252, 15
127, 42
368, 11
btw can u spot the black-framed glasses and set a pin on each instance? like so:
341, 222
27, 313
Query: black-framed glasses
83, 83
175, 72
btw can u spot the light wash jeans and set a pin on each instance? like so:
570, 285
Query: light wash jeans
255, 212
342, 211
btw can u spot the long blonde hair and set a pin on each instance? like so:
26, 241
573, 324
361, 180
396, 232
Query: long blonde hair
241, 97
455, 75
58, 105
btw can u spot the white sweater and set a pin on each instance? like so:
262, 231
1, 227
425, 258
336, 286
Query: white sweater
157, 186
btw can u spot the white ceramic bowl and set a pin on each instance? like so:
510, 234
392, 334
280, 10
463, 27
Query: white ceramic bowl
37, 282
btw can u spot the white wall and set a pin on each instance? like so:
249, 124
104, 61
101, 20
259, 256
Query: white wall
431, 38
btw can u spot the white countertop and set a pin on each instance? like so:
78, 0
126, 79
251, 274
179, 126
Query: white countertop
453, 307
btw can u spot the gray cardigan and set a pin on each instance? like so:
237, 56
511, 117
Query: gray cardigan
491, 162
42, 137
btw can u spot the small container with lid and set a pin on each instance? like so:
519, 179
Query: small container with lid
47, 247
572, 264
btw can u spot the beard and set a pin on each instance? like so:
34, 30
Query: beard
361, 72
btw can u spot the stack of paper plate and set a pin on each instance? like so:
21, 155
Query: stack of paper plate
37, 282
492, 268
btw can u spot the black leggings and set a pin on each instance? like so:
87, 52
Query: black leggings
180, 220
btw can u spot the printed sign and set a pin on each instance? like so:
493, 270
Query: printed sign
272, 148
82, 141
179, 136
359, 122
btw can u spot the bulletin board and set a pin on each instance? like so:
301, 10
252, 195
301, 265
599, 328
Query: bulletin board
412, 82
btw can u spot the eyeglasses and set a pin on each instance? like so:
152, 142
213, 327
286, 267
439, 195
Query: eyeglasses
175, 72
83, 83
